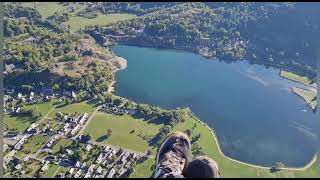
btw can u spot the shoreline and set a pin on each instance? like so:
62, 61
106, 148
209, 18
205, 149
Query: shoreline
308, 95
111, 89
306, 166
123, 65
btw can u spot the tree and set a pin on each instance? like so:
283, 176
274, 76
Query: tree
195, 138
56, 87
36, 113
277, 167
75, 156
109, 132
149, 152
27, 88
100, 98
188, 132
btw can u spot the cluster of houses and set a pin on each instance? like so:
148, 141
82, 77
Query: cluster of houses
43, 96
71, 125
103, 165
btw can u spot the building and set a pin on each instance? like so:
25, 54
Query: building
78, 174
72, 170
45, 166
18, 167
88, 147
91, 168
78, 164
99, 170
111, 173
83, 119
88, 175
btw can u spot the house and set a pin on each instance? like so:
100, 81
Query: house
111, 173
19, 96
107, 149
26, 159
89, 147
45, 166
31, 130
105, 163
84, 165
61, 175
91, 168
73, 95
18, 167
100, 158
88, 175
76, 129
18, 109
72, 170
122, 171
83, 119
70, 152
59, 115
78, 174
78, 164
33, 125
99, 170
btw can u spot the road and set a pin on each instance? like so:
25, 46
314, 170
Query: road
85, 126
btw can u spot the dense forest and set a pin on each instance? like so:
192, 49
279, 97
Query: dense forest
41, 53
284, 35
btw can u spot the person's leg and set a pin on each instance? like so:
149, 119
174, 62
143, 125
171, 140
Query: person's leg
202, 167
172, 156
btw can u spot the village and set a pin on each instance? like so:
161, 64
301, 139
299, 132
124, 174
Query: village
109, 161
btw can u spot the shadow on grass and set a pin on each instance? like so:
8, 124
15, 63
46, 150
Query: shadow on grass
62, 105
102, 138
56, 103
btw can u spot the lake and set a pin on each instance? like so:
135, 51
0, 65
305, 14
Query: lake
255, 115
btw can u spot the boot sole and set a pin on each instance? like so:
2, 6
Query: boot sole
176, 134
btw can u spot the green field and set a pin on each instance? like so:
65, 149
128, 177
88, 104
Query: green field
17, 123
22, 122
77, 22
51, 171
73, 108
35, 143
144, 169
61, 143
46, 9
121, 127
295, 77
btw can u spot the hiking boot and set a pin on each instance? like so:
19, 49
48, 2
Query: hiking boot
172, 156
202, 167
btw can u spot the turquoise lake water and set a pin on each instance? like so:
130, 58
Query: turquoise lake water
255, 115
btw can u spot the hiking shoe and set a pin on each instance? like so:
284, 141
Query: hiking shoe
172, 156
202, 167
